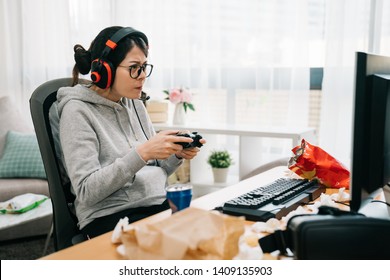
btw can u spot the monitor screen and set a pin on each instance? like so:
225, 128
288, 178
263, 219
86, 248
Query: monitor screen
371, 129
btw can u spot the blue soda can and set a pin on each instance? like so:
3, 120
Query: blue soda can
179, 196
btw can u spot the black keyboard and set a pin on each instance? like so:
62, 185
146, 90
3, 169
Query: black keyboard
274, 200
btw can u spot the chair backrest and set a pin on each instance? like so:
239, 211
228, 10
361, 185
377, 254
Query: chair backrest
65, 230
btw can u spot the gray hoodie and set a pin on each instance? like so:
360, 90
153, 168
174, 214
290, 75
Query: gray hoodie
98, 139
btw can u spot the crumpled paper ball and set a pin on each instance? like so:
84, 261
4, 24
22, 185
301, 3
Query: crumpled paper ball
324, 200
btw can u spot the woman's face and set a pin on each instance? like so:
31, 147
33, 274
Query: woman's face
124, 85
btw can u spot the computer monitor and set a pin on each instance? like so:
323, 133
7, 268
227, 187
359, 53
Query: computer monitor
370, 170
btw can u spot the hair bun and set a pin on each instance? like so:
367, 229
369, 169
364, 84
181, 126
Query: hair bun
82, 58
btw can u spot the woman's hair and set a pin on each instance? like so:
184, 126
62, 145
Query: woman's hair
85, 57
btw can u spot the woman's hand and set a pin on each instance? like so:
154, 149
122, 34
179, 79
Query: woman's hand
163, 145
191, 152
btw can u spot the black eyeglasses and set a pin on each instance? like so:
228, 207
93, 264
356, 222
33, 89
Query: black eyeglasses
136, 70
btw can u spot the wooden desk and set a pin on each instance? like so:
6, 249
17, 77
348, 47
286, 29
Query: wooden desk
101, 247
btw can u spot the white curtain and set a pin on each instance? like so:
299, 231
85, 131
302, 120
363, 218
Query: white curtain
247, 61
238, 58
32, 50
351, 26
225, 51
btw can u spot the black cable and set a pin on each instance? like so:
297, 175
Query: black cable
308, 203
388, 204
335, 201
329, 210
139, 120
340, 202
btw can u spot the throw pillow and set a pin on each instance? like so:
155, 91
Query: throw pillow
11, 119
21, 157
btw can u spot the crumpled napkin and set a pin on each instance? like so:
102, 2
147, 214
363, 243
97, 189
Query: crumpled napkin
122, 225
249, 248
325, 200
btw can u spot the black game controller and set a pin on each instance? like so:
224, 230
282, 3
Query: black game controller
194, 136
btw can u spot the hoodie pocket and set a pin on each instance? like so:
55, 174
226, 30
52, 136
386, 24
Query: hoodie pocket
149, 183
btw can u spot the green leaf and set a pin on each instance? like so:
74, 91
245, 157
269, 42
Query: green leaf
191, 106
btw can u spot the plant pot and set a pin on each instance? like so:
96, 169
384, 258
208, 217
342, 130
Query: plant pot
220, 175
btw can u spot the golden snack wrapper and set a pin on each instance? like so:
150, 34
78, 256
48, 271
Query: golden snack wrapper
189, 234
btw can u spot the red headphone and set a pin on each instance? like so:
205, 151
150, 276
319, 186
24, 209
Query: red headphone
102, 70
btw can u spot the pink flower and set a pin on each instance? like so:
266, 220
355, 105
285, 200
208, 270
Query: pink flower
180, 95
175, 96
186, 96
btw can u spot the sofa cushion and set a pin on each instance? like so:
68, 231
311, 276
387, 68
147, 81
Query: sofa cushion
38, 226
21, 157
10, 119
10, 188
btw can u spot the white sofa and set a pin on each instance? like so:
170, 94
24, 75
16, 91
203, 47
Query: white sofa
16, 182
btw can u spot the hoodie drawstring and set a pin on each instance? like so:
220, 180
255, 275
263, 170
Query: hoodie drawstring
116, 110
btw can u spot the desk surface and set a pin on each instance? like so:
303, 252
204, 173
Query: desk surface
242, 129
101, 247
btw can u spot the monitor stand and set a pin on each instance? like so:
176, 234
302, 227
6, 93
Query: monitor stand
378, 210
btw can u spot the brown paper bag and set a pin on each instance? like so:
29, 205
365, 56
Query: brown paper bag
189, 234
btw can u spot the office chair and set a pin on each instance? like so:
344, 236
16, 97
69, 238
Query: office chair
65, 230
267, 166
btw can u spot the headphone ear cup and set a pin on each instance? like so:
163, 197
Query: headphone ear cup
102, 73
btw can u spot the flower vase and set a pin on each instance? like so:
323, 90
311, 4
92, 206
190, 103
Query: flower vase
179, 116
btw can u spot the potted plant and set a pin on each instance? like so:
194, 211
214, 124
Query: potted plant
220, 160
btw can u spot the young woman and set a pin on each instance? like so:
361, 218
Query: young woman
118, 166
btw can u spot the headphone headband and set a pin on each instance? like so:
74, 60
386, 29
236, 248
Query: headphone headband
111, 43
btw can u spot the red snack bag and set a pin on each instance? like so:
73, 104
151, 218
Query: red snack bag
311, 162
